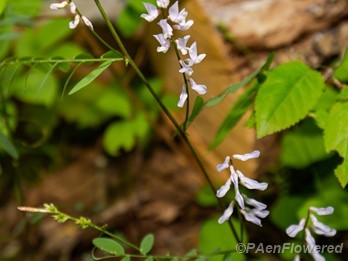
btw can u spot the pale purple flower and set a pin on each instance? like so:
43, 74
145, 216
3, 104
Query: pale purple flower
247, 156
74, 23
293, 230
227, 213
183, 25
60, 5
194, 58
163, 3
87, 22
165, 43
181, 44
256, 204
254, 215
199, 88
224, 189
166, 28
152, 12
185, 68
224, 165
174, 14
322, 211
250, 183
183, 97
72, 7
313, 247
321, 229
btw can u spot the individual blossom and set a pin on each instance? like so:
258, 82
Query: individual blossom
166, 28
194, 57
251, 209
183, 25
163, 3
183, 97
57, 6
181, 44
185, 68
165, 43
176, 16
199, 88
311, 223
152, 12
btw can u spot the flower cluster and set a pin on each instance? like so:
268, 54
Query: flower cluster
176, 19
316, 226
255, 209
74, 23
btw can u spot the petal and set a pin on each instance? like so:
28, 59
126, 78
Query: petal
72, 7
239, 198
313, 247
225, 165
256, 204
227, 213
199, 88
224, 189
293, 230
165, 43
234, 176
163, 3
245, 157
152, 12
322, 229
181, 44
73, 24
322, 211
250, 183
57, 6
183, 26
260, 213
185, 68
166, 28
87, 22
249, 216
183, 97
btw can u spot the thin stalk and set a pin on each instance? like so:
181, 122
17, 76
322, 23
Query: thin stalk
181, 132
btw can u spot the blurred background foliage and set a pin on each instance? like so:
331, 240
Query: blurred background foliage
39, 122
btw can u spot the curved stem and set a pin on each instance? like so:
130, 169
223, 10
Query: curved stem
181, 132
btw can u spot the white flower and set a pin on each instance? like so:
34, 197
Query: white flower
181, 44
322, 211
199, 88
183, 25
224, 189
163, 3
152, 12
166, 28
227, 213
185, 68
238, 197
57, 6
254, 215
72, 7
250, 183
293, 230
224, 165
165, 43
313, 247
73, 24
194, 58
87, 22
247, 156
322, 229
183, 97
174, 14
256, 204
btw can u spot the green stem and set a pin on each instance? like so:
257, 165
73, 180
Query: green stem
181, 132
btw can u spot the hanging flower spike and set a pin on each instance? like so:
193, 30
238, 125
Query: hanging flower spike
293, 230
194, 58
163, 3
247, 156
322, 229
165, 43
183, 97
322, 211
152, 12
186, 69
57, 6
73, 24
181, 44
250, 183
227, 213
224, 165
174, 14
199, 88
166, 28
313, 247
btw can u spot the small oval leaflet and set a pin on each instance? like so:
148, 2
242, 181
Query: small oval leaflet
109, 245
147, 244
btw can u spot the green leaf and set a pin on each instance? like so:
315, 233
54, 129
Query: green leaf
115, 103
341, 72
336, 138
147, 244
235, 87
344, 94
7, 145
126, 258
109, 245
25, 7
205, 197
303, 145
197, 107
290, 91
90, 77
2, 5
237, 111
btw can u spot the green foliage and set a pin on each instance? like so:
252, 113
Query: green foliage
109, 245
336, 138
2, 5
290, 91
146, 244
6, 144
341, 72
303, 145
205, 197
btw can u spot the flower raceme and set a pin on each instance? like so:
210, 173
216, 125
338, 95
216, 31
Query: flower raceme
312, 223
251, 209
176, 20
77, 18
